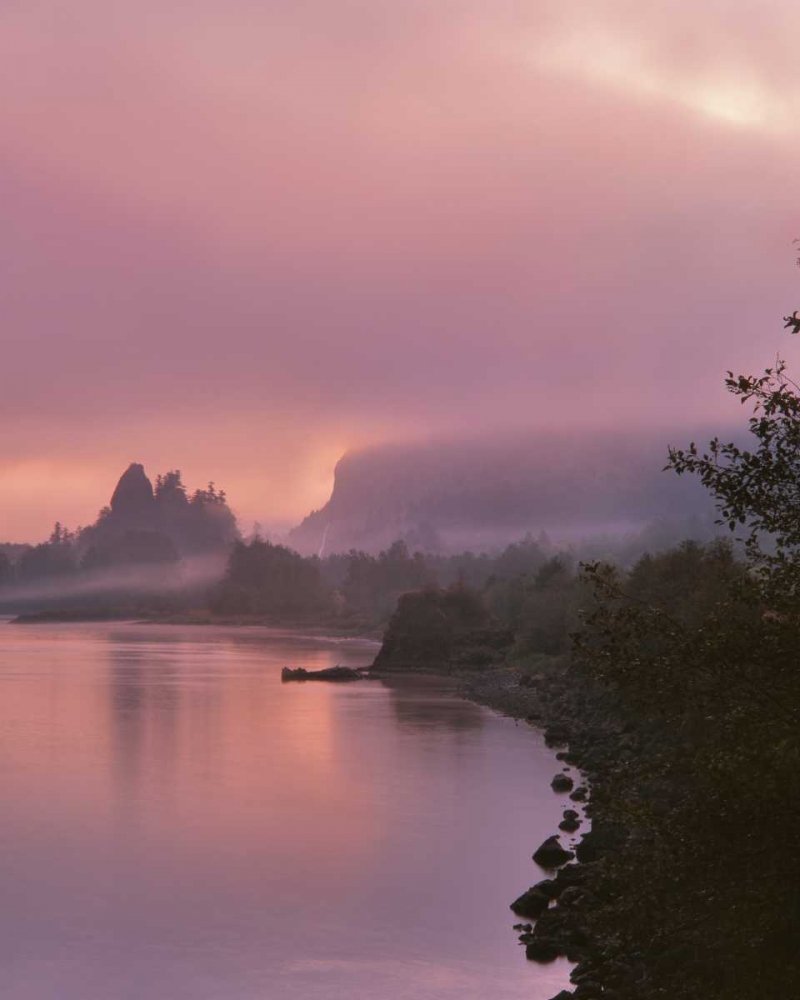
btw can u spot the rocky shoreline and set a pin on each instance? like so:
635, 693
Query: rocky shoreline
572, 911
683, 719
567, 909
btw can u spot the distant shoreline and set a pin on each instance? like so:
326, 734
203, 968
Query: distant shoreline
311, 626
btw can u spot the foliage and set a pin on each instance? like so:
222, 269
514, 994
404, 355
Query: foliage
148, 528
267, 579
373, 585
134, 548
442, 629
699, 655
540, 607
53, 558
758, 491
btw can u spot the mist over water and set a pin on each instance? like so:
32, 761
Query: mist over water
179, 824
130, 581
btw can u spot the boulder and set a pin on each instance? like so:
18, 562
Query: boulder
531, 904
562, 783
580, 794
556, 925
551, 854
569, 825
541, 951
557, 930
548, 887
572, 875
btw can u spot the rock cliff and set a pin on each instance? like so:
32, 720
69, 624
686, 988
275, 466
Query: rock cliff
452, 495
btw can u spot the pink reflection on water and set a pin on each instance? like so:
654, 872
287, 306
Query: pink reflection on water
178, 823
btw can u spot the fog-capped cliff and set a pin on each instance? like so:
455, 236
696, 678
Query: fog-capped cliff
452, 494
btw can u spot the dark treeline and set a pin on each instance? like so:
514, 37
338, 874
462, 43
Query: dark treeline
529, 587
541, 605
264, 579
527, 580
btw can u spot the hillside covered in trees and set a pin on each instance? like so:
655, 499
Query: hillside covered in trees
142, 541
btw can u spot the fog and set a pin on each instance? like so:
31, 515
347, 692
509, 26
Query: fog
115, 587
245, 241
485, 491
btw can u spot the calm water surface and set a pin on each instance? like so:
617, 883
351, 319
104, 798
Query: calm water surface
176, 823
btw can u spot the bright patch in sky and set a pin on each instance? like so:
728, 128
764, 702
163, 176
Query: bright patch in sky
624, 65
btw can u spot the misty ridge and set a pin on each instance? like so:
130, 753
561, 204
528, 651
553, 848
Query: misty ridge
582, 488
400, 517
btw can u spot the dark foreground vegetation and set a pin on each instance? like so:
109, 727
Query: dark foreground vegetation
675, 687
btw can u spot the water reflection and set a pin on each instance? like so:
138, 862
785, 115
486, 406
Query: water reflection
126, 702
178, 824
144, 697
421, 703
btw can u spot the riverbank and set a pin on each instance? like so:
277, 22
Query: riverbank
686, 887
332, 627
657, 903
613, 911
566, 907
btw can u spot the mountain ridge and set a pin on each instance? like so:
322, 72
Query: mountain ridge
439, 496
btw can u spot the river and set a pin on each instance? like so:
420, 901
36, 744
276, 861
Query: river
177, 824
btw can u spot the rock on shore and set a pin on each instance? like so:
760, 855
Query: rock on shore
531, 904
551, 854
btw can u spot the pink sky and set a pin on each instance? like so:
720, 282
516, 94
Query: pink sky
240, 236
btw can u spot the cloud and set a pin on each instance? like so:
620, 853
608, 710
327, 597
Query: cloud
244, 237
